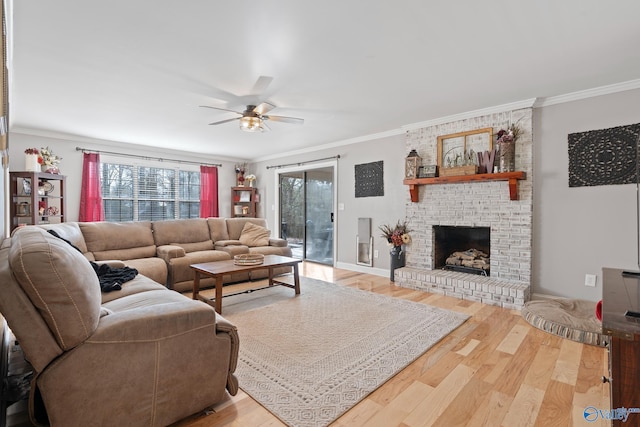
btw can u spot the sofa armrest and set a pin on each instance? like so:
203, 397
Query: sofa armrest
223, 243
281, 243
223, 325
141, 358
168, 252
160, 322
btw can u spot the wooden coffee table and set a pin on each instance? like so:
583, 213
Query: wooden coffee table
217, 270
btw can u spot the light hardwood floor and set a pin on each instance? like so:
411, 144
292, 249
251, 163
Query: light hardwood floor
494, 370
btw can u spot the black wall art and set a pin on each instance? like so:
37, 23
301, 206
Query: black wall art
603, 157
370, 179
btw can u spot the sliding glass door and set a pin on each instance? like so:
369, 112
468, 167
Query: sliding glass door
306, 213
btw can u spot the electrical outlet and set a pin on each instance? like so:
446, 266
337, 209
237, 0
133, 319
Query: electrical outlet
375, 253
590, 280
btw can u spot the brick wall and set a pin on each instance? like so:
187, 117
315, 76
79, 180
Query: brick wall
476, 203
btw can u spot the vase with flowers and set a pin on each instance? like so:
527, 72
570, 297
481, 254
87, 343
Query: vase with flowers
240, 170
507, 148
31, 156
49, 161
397, 236
250, 178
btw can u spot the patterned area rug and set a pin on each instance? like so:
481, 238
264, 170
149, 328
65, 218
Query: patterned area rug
310, 358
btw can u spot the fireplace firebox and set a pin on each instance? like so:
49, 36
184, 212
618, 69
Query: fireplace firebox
464, 241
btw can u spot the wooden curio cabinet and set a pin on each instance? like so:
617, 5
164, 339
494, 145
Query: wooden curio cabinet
36, 198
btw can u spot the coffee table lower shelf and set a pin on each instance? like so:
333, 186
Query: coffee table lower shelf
218, 269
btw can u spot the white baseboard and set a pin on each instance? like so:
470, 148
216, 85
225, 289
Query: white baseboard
363, 269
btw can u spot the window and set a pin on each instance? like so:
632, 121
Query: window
147, 193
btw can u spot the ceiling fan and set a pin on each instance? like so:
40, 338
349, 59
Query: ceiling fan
253, 118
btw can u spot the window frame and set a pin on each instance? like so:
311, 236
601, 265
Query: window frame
177, 200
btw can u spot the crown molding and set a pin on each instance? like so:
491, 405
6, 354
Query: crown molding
119, 145
527, 103
588, 93
341, 143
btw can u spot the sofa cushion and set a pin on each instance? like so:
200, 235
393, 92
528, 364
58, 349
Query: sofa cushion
71, 232
180, 231
207, 245
254, 235
236, 225
218, 229
60, 283
139, 285
119, 240
153, 267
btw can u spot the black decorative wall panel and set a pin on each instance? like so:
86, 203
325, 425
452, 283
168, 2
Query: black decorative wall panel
603, 157
370, 179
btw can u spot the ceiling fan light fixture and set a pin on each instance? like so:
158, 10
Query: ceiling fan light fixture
251, 124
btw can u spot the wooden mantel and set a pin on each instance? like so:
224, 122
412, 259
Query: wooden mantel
513, 177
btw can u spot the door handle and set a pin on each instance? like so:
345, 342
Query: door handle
331, 216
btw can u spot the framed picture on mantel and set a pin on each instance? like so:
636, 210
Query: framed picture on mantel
453, 148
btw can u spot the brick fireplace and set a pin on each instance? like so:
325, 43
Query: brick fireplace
473, 204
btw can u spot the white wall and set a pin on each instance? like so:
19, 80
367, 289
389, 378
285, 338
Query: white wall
385, 209
575, 230
71, 164
579, 230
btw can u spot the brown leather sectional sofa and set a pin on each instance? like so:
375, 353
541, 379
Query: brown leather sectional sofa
164, 250
142, 355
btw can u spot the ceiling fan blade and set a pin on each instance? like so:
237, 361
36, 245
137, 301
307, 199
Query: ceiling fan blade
265, 126
284, 119
221, 109
264, 108
261, 85
224, 121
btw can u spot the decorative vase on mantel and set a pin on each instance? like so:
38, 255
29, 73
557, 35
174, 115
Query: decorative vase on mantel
506, 156
397, 260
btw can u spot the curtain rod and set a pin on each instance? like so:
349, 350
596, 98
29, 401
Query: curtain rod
87, 150
303, 163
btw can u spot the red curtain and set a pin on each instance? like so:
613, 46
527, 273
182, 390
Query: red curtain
91, 195
208, 191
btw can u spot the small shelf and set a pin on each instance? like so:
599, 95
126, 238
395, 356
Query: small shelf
513, 178
26, 200
244, 202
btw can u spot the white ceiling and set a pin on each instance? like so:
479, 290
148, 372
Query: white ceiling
136, 71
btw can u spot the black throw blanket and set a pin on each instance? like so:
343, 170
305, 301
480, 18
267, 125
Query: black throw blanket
111, 279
